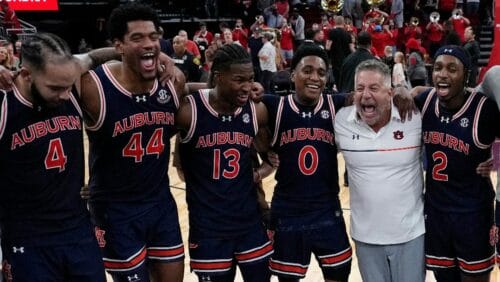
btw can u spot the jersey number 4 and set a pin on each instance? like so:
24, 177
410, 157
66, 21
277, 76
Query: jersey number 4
55, 157
441, 162
135, 150
233, 157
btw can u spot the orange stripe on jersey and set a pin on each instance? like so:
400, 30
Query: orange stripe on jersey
477, 266
129, 263
274, 265
166, 252
195, 265
265, 250
440, 262
334, 259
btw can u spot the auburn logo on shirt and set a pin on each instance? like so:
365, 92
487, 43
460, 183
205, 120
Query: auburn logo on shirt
398, 135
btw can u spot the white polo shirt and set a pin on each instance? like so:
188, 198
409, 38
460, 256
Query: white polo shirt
385, 177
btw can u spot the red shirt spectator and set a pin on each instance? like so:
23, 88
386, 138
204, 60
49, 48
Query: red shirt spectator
203, 35
10, 19
283, 8
240, 33
459, 24
434, 32
286, 38
446, 5
380, 39
191, 47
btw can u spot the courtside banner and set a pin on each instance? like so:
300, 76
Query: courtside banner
33, 5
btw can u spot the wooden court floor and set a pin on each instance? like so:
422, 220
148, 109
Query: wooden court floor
314, 272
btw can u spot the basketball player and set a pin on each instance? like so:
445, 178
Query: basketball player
458, 129
218, 126
130, 119
46, 229
306, 215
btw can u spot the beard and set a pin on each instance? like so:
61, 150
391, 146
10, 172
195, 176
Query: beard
41, 105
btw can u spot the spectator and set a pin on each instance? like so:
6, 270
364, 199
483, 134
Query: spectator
15, 60
5, 60
255, 44
273, 19
283, 8
346, 81
339, 46
267, 61
298, 25
397, 13
398, 70
286, 42
417, 73
315, 36
434, 35
190, 45
203, 36
185, 61
10, 20
240, 33
227, 37
459, 23
472, 46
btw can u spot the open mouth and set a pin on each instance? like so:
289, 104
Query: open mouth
148, 61
442, 88
368, 110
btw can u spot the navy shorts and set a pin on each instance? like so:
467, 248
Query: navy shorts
214, 258
459, 240
326, 239
131, 239
78, 261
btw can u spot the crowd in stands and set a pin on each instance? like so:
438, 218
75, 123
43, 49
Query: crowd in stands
403, 34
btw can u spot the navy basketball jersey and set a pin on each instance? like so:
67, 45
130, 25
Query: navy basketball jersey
216, 160
455, 143
130, 142
41, 169
307, 177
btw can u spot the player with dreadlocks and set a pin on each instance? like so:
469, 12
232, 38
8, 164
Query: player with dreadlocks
218, 126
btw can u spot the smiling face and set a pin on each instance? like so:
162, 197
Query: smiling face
448, 75
309, 77
140, 48
372, 98
235, 84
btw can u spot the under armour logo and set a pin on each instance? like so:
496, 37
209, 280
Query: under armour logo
445, 119
140, 98
16, 250
133, 278
226, 118
308, 114
355, 136
205, 279
448, 51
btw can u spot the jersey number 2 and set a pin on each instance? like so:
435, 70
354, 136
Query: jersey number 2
55, 157
441, 163
134, 147
233, 157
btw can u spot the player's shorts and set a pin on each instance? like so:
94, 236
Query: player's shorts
459, 240
326, 239
130, 240
214, 259
77, 261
